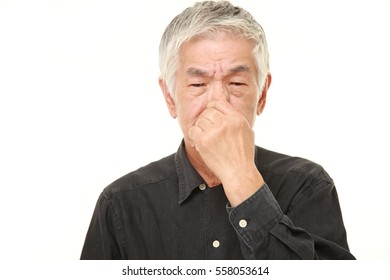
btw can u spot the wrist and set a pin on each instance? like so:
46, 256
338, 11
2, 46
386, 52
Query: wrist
239, 187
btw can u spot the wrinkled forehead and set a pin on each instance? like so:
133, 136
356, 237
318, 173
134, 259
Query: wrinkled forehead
222, 56
221, 47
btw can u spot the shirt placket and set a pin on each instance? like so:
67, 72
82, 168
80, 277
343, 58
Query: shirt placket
215, 222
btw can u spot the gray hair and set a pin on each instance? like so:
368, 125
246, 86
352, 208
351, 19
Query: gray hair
210, 18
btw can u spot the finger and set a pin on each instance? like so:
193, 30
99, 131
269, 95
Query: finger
204, 123
211, 114
222, 106
194, 134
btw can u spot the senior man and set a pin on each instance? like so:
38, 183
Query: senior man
219, 196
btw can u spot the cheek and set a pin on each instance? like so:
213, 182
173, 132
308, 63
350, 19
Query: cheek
246, 106
189, 110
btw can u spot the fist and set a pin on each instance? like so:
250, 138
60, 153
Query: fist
225, 141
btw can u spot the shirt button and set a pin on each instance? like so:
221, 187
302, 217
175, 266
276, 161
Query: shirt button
202, 187
216, 243
243, 223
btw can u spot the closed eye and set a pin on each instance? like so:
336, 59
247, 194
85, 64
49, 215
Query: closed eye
198, 85
237, 84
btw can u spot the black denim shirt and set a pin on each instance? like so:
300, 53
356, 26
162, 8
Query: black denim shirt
165, 211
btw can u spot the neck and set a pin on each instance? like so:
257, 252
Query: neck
199, 165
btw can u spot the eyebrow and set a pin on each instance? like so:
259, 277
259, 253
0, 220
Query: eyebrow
200, 72
240, 68
197, 72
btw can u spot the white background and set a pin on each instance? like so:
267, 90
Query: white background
80, 106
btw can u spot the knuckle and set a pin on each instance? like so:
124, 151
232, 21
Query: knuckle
204, 141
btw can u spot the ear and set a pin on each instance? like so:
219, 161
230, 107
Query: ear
263, 98
168, 98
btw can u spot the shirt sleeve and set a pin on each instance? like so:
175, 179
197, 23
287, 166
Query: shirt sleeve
265, 232
104, 238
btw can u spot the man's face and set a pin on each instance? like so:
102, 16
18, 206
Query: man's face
215, 69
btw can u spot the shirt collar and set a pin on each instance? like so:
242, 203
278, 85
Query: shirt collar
189, 179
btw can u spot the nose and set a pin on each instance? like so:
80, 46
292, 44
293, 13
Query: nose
217, 91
